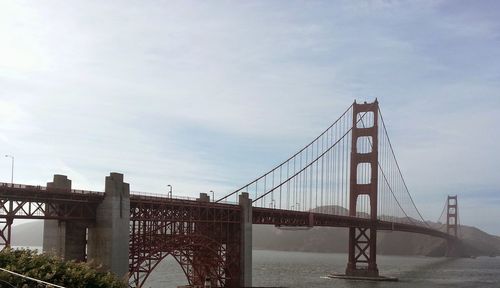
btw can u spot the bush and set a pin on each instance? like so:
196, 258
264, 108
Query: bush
53, 270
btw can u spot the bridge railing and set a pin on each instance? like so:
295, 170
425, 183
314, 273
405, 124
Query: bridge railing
149, 195
44, 188
160, 195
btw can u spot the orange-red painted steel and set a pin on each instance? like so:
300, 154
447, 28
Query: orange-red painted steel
203, 237
363, 240
452, 215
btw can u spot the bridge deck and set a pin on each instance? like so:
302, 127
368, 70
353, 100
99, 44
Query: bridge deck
28, 202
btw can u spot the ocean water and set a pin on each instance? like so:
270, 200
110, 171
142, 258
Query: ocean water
302, 269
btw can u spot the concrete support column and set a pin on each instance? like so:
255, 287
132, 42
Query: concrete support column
202, 255
246, 241
108, 242
62, 238
203, 197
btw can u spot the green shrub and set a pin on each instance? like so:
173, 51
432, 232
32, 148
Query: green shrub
53, 270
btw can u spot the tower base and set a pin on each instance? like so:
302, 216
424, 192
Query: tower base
363, 278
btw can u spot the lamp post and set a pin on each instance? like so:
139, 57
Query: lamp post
272, 204
213, 195
170, 192
12, 168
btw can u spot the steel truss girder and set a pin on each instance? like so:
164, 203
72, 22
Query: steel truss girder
16, 204
202, 237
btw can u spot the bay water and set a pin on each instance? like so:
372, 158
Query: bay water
302, 269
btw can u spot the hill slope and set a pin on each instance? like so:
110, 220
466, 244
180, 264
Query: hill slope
335, 240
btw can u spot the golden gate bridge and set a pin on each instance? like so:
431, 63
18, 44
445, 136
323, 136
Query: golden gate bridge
348, 176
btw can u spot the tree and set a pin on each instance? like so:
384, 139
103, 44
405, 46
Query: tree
53, 270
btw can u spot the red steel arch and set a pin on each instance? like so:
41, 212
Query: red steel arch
203, 237
183, 248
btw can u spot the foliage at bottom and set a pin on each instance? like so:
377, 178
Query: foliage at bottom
53, 270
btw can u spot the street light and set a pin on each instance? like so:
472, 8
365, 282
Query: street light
12, 171
170, 192
213, 195
272, 204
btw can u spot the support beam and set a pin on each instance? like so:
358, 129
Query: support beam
246, 241
109, 237
6, 232
204, 255
65, 239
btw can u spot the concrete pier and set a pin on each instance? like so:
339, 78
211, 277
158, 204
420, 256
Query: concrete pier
108, 239
65, 239
202, 256
246, 241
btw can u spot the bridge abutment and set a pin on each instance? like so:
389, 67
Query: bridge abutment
204, 255
246, 241
108, 239
65, 239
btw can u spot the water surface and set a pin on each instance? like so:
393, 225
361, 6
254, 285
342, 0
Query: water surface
301, 269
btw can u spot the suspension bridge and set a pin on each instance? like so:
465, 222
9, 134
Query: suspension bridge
348, 177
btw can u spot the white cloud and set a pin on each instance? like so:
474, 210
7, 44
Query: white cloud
89, 87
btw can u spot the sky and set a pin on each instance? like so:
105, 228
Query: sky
209, 95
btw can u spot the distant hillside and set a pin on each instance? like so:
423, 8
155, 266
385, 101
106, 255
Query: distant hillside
335, 240
323, 239
28, 234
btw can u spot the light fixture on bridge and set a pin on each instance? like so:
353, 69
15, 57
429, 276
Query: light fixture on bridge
213, 195
170, 192
12, 169
272, 204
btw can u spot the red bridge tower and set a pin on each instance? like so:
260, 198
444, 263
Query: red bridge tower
452, 216
363, 241
453, 247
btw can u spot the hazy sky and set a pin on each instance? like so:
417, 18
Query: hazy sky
209, 95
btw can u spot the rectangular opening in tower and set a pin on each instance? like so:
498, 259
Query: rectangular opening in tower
364, 144
363, 209
364, 173
365, 119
